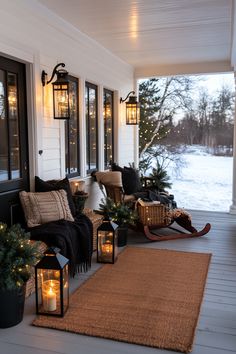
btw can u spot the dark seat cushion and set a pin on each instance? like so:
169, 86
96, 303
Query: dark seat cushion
48, 186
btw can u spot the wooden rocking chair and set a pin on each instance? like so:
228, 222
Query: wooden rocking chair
153, 216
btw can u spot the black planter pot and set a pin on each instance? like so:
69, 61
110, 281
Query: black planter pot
122, 236
11, 306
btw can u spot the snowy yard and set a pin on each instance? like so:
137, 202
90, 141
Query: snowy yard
205, 182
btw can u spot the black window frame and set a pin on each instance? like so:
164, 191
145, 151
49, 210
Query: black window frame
106, 162
67, 122
89, 85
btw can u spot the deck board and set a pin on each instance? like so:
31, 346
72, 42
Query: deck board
216, 330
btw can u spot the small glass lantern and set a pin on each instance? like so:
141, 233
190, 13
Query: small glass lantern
61, 104
61, 91
132, 111
52, 284
107, 242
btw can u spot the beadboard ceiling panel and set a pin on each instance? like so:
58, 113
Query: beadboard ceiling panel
154, 32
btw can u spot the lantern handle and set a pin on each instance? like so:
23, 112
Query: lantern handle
44, 74
130, 93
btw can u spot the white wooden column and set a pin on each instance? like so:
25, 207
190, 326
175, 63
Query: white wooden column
116, 121
233, 206
136, 130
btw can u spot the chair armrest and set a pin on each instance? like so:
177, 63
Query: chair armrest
115, 192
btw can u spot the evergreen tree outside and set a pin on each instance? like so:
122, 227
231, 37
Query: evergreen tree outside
206, 120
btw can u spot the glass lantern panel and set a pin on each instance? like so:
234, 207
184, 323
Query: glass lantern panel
105, 246
131, 113
115, 244
66, 287
61, 103
49, 299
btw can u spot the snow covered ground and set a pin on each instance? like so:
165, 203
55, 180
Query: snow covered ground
205, 182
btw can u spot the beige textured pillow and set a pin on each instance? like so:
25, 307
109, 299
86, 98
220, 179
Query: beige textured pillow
40, 208
109, 177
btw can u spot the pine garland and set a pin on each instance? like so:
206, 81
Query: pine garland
17, 255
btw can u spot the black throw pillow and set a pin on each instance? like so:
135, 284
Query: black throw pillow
130, 178
48, 186
131, 181
115, 167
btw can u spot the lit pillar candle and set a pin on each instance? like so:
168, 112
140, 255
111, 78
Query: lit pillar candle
50, 300
107, 248
76, 187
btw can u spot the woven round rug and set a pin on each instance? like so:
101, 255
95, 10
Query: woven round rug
149, 297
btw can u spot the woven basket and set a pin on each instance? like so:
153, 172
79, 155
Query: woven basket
154, 214
96, 221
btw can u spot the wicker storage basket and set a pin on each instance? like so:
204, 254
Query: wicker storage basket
151, 214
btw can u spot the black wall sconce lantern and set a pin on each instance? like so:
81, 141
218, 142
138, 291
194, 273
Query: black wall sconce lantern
61, 106
132, 109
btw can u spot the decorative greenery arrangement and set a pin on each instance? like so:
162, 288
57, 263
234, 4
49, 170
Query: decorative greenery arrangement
17, 255
79, 199
159, 179
120, 213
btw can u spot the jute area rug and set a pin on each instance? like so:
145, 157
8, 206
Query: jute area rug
149, 297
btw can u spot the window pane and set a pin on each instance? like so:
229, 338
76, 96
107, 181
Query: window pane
108, 127
13, 125
71, 130
91, 121
3, 131
93, 129
73, 127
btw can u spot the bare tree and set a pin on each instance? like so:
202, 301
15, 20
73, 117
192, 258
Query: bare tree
172, 94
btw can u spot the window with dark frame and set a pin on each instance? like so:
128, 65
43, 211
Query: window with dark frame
72, 164
91, 126
108, 127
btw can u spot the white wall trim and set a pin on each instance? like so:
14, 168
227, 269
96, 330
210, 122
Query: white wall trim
183, 69
232, 209
233, 34
116, 136
62, 149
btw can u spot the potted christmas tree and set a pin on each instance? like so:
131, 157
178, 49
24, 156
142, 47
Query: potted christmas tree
121, 214
17, 256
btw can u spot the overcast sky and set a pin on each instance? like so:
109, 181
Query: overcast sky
214, 82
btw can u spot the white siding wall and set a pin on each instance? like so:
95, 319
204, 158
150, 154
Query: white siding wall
32, 34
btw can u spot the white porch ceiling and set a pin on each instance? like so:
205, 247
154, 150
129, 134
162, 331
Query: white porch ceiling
157, 36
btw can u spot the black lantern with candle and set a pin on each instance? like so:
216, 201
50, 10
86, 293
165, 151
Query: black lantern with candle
52, 284
107, 245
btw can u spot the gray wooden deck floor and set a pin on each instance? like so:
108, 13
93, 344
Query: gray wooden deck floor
216, 330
